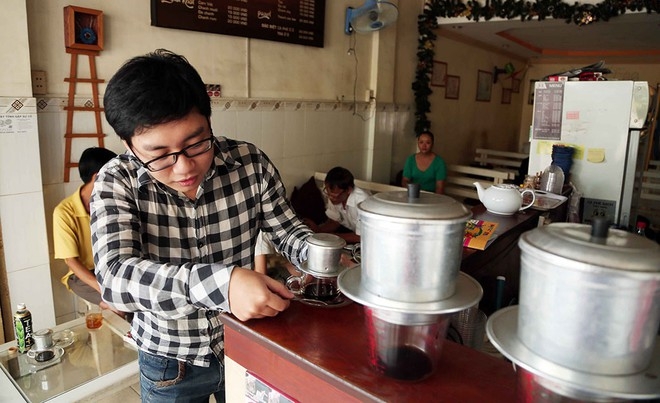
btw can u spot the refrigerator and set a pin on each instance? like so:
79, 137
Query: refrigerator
604, 121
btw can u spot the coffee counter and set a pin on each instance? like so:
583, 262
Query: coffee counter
321, 354
315, 354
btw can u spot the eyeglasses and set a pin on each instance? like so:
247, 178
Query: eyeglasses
167, 160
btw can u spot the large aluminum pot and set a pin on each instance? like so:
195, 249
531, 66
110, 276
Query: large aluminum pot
411, 246
589, 303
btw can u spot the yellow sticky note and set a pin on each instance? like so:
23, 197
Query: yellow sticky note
544, 147
596, 155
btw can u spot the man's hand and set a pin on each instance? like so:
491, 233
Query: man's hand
254, 295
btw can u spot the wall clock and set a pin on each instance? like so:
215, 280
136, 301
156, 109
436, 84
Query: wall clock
83, 28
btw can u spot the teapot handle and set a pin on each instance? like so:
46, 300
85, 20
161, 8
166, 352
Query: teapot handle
533, 198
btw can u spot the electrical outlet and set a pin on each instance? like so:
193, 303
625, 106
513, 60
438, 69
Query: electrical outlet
38, 82
214, 90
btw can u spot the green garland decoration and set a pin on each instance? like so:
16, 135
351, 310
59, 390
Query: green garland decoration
580, 14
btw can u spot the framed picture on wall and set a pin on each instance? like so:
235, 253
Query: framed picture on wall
439, 77
506, 95
484, 85
453, 86
515, 85
530, 96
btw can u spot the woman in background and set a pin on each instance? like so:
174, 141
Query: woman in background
425, 167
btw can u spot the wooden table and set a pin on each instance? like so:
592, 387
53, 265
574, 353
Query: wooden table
321, 354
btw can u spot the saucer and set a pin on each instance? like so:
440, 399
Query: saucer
343, 301
58, 351
323, 304
502, 329
468, 293
64, 338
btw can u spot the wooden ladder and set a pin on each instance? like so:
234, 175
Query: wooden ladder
93, 106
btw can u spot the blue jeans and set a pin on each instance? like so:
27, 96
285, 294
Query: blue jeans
165, 379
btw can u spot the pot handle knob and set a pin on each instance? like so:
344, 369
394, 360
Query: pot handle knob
600, 227
413, 191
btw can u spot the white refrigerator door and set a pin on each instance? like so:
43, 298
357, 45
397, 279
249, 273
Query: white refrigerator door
595, 118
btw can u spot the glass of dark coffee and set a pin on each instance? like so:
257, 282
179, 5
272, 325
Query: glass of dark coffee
405, 346
309, 287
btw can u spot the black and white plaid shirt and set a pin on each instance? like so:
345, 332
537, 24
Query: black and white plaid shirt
169, 259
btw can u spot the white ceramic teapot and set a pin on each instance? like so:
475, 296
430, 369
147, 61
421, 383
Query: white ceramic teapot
503, 199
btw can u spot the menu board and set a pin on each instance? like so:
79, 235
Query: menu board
548, 102
294, 21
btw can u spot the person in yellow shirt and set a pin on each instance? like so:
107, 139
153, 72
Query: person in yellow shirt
71, 229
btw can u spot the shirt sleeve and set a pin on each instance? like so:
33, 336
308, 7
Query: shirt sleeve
129, 279
65, 244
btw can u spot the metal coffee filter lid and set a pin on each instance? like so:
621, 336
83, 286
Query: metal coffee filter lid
326, 240
429, 206
621, 250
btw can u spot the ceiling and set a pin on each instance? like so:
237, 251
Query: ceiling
633, 37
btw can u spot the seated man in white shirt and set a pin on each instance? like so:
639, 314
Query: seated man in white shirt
341, 206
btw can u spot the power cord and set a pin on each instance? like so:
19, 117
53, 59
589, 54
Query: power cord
351, 52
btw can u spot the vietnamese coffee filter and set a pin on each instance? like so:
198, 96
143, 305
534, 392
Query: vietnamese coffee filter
324, 255
589, 306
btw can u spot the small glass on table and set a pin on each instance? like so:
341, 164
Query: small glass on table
93, 317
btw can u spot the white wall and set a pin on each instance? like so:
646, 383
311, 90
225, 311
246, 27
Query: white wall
21, 197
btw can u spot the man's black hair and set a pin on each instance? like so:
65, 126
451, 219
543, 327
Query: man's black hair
339, 177
91, 161
156, 88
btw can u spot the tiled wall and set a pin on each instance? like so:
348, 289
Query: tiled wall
301, 137
22, 217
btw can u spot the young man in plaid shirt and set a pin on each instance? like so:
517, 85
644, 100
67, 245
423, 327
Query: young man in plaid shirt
174, 223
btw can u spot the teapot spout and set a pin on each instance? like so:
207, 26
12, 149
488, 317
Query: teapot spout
480, 190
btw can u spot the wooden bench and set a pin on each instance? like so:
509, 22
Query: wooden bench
649, 199
504, 161
461, 178
372, 187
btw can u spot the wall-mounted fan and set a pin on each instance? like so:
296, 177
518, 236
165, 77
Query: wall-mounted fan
372, 16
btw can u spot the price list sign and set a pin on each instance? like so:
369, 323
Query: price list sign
292, 21
548, 102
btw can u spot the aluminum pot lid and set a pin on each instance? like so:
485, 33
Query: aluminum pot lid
615, 249
429, 206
